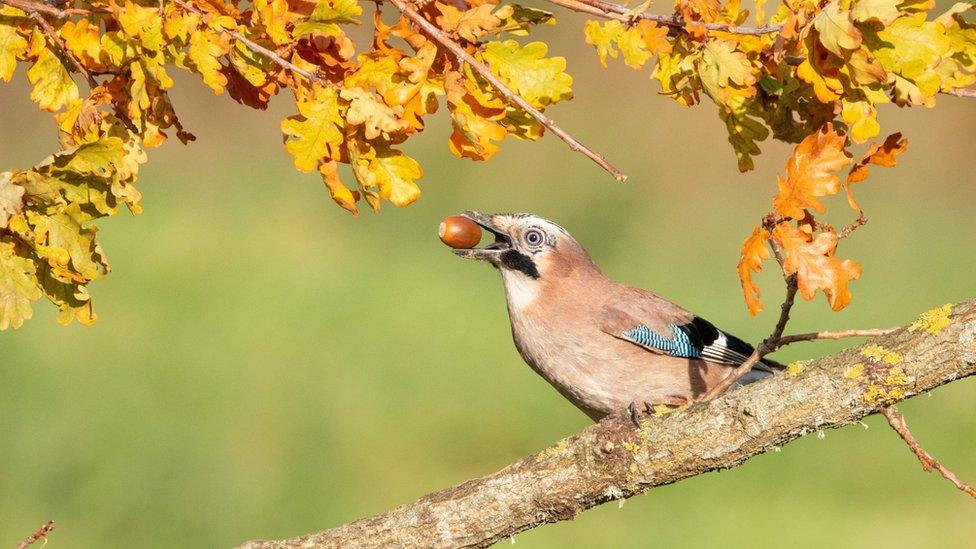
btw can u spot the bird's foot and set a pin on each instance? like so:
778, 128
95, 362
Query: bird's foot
648, 408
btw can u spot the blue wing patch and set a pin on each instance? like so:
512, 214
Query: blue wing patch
679, 345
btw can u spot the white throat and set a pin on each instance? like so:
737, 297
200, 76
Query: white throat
520, 289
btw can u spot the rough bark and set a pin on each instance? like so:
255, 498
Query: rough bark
613, 460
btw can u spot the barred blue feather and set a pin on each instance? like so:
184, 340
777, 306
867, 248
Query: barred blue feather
679, 345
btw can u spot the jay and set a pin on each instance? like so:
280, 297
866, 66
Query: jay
604, 346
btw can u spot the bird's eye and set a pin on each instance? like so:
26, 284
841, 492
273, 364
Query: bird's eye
534, 237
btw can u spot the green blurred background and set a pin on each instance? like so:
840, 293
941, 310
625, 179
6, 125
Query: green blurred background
265, 365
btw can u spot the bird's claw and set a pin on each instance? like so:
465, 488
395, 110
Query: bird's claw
637, 410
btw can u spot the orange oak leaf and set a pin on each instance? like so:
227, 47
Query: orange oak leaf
811, 172
754, 252
881, 155
811, 258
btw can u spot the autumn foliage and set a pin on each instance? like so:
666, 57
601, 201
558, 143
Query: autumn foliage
811, 73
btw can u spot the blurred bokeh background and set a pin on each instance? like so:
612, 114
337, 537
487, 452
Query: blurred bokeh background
265, 365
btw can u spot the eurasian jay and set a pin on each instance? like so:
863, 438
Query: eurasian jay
605, 346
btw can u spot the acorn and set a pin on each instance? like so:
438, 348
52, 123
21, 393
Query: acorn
459, 232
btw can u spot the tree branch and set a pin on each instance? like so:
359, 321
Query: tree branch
897, 422
255, 47
608, 10
38, 7
464, 57
612, 460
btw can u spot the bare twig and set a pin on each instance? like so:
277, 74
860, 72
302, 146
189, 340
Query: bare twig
38, 7
812, 336
617, 12
770, 344
40, 534
611, 460
856, 224
962, 92
464, 57
897, 422
254, 46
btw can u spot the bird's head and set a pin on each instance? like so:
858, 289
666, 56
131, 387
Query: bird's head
528, 246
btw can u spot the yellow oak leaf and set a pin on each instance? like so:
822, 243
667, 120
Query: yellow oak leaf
337, 191
17, 287
12, 47
82, 40
882, 11
475, 117
385, 172
316, 132
68, 246
811, 172
328, 15
811, 259
11, 197
836, 29
143, 23
724, 65
473, 23
754, 252
275, 16
178, 23
206, 47
375, 116
862, 118
540, 80
53, 86
603, 37
881, 155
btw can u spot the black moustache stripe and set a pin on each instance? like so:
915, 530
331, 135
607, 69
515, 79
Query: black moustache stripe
517, 261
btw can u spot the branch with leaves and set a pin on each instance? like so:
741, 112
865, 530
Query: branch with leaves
613, 460
806, 67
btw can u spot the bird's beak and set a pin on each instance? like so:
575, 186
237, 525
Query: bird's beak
493, 251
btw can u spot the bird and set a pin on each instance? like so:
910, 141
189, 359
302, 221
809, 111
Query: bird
607, 347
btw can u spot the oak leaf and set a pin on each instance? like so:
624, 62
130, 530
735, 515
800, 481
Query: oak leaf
811, 259
540, 80
12, 47
811, 172
53, 86
755, 250
884, 154
836, 29
17, 287
316, 132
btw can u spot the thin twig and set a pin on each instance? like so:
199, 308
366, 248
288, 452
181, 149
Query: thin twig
897, 422
464, 57
770, 344
962, 92
254, 46
52, 34
622, 13
38, 7
812, 336
856, 224
40, 534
